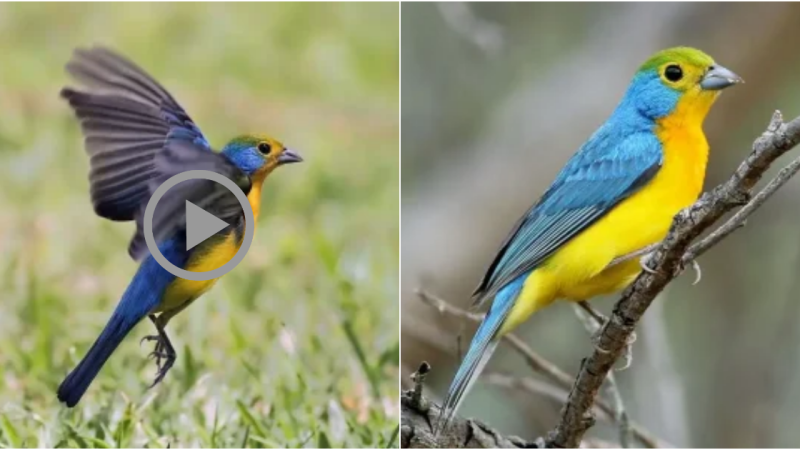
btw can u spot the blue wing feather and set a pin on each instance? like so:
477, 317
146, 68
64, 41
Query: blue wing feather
600, 175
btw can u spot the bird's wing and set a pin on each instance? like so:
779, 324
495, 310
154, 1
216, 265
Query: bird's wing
181, 153
126, 117
596, 179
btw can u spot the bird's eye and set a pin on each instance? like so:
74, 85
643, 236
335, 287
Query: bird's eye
673, 73
264, 148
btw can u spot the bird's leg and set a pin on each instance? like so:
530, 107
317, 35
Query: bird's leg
594, 322
164, 352
158, 350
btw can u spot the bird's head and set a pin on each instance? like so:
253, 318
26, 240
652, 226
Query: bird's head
257, 155
679, 80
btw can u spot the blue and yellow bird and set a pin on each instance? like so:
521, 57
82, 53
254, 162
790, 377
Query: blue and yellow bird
138, 136
618, 194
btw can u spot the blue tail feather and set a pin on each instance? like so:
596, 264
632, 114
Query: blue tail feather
140, 298
76, 383
480, 350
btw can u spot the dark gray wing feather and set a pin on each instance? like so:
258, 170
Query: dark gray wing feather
126, 117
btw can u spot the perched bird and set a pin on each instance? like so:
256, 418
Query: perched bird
616, 195
138, 136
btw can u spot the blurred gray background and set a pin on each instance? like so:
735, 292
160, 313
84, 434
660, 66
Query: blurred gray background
496, 97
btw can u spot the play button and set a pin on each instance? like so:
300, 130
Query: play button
200, 225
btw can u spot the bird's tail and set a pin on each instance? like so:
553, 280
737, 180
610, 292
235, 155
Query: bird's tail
74, 386
480, 350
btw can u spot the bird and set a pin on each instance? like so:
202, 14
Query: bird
137, 136
616, 195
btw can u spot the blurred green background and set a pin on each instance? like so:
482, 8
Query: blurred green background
296, 347
496, 97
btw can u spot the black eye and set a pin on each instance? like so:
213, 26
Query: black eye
673, 73
264, 148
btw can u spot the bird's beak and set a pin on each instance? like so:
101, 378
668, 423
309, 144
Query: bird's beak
288, 157
718, 78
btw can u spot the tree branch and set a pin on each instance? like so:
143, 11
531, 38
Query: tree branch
539, 364
668, 261
419, 416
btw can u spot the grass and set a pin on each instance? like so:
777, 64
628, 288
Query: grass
299, 345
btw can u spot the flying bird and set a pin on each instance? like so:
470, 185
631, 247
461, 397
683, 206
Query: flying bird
137, 136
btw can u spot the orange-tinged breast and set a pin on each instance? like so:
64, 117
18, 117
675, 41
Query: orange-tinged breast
210, 255
642, 219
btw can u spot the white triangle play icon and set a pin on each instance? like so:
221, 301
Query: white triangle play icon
200, 225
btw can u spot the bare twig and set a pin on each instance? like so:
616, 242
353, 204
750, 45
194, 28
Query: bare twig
739, 219
553, 392
539, 364
533, 359
621, 417
533, 386
418, 378
668, 260
592, 321
416, 430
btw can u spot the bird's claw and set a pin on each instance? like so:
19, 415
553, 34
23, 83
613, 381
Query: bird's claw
643, 262
169, 360
158, 351
158, 356
163, 353
150, 337
698, 273
697, 270
627, 354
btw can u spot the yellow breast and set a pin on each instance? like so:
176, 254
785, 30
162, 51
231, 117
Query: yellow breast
641, 220
210, 255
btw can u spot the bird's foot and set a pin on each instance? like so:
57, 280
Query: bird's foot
163, 352
169, 361
627, 353
644, 263
158, 350
596, 326
698, 273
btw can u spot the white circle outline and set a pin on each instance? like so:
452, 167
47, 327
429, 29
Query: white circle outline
249, 225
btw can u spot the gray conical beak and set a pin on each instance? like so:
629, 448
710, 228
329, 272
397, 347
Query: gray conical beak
718, 78
289, 156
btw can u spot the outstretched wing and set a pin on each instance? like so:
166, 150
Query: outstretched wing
181, 154
126, 117
596, 179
